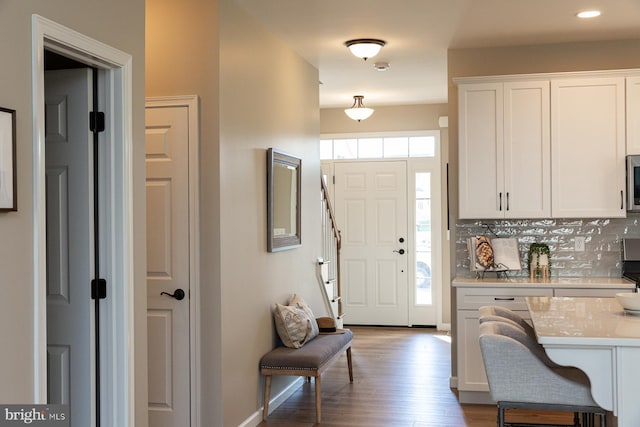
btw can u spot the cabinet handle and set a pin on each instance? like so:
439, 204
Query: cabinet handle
500, 197
621, 200
507, 200
504, 299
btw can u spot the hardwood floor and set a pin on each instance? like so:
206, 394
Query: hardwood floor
401, 378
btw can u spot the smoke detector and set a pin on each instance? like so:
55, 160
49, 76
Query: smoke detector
381, 66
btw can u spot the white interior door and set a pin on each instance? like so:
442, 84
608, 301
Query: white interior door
371, 209
70, 245
167, 160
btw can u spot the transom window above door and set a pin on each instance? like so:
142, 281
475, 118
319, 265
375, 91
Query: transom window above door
416, 144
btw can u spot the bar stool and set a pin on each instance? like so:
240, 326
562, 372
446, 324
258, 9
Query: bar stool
519, 378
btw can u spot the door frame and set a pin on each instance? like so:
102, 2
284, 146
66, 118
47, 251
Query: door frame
414, 164
117, 317
191, 102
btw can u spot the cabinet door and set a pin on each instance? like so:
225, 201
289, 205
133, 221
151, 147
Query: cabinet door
527, 150
633, 115
471, 373
480, 150
588, 148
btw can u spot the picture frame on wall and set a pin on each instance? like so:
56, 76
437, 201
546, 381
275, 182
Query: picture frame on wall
8, 185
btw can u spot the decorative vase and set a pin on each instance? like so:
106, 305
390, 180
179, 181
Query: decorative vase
539, 261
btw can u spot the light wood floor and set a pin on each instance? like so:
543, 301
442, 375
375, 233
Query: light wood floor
401, 378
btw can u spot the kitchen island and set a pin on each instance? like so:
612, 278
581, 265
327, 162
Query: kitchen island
597, 336
471, 293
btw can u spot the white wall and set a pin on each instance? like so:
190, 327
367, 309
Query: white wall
120, 24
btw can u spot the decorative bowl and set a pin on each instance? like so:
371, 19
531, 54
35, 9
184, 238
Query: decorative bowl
629, 300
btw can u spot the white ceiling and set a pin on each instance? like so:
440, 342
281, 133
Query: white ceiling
418, 34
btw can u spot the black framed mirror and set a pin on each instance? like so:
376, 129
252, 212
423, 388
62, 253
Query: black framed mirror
284, 173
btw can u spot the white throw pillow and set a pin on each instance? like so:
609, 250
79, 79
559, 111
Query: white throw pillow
297, 301
293, 325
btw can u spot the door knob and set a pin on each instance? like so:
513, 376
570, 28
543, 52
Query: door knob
177, 294
401, 251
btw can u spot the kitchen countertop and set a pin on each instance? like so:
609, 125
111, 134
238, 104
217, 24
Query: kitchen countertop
553, 282
583, 321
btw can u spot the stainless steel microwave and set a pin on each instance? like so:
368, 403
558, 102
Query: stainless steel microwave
633, 183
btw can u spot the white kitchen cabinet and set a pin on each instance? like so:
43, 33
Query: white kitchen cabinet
633, 115
588, 147
504, 161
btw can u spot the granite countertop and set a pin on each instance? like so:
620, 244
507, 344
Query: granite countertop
583, 321
553, 282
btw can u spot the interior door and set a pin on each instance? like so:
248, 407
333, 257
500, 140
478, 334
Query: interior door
371, 208
168, 281
70, 245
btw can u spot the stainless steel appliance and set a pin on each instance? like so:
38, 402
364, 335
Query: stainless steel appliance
631, 260
633, 183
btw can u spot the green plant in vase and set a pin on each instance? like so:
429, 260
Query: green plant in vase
539, 254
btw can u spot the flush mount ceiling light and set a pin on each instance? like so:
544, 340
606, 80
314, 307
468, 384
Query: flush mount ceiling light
358, 111
588, 14
365, 48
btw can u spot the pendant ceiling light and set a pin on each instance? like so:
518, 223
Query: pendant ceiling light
358, 111
365, 48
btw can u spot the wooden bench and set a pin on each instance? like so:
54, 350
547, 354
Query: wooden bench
308, 361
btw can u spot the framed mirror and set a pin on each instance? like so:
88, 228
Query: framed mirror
283, 201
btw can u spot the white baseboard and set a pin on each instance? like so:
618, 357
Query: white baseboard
256, 417
445, 327
453, 382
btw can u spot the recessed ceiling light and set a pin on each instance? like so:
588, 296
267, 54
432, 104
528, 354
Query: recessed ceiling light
588, 14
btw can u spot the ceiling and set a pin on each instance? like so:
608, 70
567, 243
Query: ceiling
418, 34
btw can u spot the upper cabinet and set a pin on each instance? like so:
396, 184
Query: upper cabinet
633, 115
546, 145
504, 150
588, 147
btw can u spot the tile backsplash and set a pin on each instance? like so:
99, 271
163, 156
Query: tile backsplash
603, 243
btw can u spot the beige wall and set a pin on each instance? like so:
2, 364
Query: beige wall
268, 98
403, 118
182, 58
608, 55
384, 119
120, 25
246, 107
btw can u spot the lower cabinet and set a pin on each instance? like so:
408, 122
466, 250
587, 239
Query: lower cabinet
472, 380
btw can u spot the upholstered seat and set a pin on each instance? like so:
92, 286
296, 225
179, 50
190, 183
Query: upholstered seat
519, 376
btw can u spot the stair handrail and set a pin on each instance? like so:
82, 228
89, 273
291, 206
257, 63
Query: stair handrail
334, 225
338, 245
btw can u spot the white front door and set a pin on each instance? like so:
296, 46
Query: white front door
168, 268
70, 245
371, 210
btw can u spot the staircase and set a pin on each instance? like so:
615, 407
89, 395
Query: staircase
329, 263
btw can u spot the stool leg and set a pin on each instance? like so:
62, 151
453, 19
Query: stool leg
318, 399
267, 391
500, 416
350, 364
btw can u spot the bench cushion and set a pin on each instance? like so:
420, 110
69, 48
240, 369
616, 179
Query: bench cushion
312, 356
